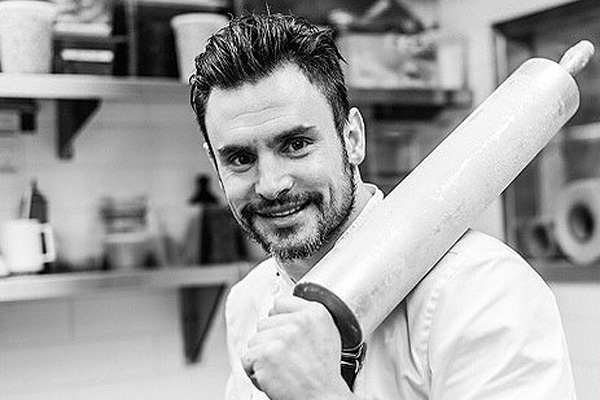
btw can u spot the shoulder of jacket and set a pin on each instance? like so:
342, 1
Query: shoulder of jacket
476, 260
473, 252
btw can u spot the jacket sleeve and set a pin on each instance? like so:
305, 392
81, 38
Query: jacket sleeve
496, 334
235, 334
240, 316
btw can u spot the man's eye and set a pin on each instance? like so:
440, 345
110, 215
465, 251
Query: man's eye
241, 160
297, 145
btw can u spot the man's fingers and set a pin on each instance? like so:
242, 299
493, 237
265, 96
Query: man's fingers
287, 304
248, 365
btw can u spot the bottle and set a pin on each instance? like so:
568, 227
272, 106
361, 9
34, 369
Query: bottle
203, 194
214, 236
38, 208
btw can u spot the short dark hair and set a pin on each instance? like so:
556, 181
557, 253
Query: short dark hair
253, 46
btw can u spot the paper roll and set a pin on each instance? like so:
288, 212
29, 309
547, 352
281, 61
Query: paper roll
537, 239
577, 221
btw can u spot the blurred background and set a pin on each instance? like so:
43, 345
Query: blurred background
101, 157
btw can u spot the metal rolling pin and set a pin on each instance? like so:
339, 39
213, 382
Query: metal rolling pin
371, 271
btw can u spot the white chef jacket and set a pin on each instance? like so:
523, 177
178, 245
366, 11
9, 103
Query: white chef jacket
482, 325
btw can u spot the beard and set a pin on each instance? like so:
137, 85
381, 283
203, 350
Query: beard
283, 243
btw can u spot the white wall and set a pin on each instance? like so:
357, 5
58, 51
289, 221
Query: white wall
578, 304
110, 346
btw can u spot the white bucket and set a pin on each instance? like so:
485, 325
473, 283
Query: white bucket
26, 35
191, 33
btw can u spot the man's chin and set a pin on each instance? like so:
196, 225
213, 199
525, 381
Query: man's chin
289, 248
296, 253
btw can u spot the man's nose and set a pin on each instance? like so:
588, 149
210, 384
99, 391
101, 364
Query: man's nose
274, 178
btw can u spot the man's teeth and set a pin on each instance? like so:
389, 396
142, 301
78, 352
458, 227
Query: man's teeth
285, 213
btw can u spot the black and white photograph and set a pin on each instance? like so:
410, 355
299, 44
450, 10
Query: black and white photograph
299, 200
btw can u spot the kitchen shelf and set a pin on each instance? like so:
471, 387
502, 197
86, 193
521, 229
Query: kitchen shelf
37, 287
74, 87
423, 97
563, 271
90, 87
79, 97
200, 291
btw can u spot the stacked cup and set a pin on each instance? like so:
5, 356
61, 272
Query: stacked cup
26, 35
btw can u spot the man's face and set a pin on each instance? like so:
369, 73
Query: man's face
281, 162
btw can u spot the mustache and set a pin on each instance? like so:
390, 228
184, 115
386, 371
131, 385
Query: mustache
265, 205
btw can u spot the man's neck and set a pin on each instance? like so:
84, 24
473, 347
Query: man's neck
298, 268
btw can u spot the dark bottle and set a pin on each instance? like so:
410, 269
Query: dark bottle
217, 236
38, 208
203, 194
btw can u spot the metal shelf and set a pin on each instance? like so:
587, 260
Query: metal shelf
90, 87
424, 97
36, 287
78, 97
81, 87
563, 271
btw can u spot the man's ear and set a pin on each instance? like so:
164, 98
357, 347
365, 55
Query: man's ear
354, 137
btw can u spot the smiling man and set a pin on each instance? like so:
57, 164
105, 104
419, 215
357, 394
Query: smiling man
271, 102
290, 180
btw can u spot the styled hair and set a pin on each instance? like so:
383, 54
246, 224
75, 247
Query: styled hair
253, 46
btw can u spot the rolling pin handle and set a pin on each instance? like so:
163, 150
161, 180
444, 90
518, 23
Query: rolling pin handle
577, 57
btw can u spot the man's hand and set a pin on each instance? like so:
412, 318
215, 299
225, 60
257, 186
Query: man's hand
295, 354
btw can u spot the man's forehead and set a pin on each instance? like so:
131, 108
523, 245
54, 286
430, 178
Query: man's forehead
284, 97
284, 85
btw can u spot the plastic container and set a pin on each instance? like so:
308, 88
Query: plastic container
26, 36
191, 33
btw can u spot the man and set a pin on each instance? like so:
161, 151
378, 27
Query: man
272, 105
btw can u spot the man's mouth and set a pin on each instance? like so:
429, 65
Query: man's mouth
281, 212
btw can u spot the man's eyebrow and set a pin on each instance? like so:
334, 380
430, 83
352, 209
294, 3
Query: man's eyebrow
228, 150
291, 133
